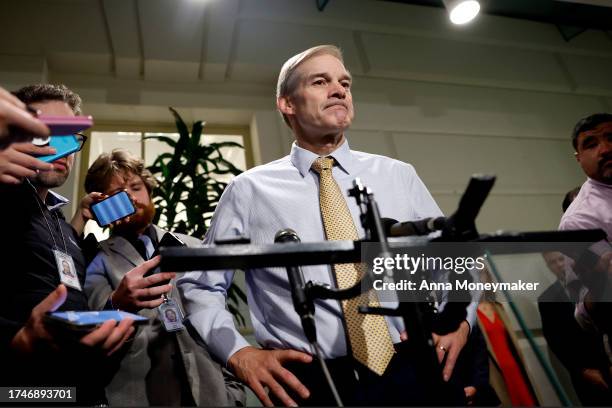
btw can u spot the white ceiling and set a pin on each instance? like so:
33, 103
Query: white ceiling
225, 40
225, 55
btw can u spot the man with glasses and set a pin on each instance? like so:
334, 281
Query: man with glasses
36, 245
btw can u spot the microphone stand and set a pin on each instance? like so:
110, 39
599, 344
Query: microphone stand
412, 311
304, 307
417, 315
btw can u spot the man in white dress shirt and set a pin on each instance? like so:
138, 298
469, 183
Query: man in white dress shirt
314, 97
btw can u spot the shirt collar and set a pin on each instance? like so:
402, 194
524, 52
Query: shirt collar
149, 232
599, 184
302, 159
55, 201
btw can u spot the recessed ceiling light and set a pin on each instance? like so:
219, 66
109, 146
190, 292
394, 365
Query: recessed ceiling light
462, 11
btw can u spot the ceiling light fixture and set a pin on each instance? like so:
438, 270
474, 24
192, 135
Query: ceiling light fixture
462, 11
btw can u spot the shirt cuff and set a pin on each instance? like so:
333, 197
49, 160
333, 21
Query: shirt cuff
238, 344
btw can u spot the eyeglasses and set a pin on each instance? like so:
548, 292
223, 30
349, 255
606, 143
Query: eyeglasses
81, 138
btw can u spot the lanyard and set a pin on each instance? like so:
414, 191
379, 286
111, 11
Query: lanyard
38, 200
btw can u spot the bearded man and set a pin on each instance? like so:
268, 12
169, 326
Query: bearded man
150, 373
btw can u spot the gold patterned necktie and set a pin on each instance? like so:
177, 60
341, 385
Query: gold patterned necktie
368, 334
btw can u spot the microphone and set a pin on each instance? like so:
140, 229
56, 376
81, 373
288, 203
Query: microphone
301, 303
393, 228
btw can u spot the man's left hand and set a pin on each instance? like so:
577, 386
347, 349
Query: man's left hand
451, 345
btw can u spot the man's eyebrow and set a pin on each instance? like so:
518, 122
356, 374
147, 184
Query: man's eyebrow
327, 76
317, 74
587, 138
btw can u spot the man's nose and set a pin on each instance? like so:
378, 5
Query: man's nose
607, 144
338, 91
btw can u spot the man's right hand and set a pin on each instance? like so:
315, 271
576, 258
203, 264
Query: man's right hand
13, 112
136, 292
260, 368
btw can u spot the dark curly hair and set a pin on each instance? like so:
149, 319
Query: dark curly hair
119, 161
49, 92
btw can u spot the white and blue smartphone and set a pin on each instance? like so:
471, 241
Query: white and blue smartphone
113, 208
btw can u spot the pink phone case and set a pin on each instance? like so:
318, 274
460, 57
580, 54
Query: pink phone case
66, 125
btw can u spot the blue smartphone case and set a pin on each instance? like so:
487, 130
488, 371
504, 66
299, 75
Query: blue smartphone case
89, 319
64, 146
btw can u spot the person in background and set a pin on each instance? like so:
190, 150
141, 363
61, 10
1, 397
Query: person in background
592, 209
150, 372
570, 196
509, 375
473, 370
581, 352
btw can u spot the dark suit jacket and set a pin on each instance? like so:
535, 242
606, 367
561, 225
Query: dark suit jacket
574, 347
158, 364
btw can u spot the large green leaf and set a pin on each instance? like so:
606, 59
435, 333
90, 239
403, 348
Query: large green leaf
168, 140
188, 187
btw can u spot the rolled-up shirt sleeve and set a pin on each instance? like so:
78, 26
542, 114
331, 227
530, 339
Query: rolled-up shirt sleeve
204, 293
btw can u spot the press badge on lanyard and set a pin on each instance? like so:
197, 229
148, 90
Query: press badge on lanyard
170, 315
64, 262
67, 271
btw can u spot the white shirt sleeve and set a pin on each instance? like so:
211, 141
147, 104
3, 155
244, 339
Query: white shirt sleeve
205, 293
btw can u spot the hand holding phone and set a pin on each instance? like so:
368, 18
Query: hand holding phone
17, 161
35, 335
86, 321
136, 292
18, 123
113, 208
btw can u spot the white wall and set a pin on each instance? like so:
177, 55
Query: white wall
500, 96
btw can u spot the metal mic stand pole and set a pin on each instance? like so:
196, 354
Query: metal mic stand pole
416, 321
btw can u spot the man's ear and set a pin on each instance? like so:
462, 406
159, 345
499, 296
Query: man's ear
285, 106
577, 157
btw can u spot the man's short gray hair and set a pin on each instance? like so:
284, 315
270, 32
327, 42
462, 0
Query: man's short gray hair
288, 80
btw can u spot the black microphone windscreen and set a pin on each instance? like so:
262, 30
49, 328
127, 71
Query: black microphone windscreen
387, 223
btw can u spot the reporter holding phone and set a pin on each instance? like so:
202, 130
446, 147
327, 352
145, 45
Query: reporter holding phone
16, 158
147, 375
36, 241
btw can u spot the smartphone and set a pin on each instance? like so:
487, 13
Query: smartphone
167, 240
112, 208
89, 320
58, 126
64, 146
66, 125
